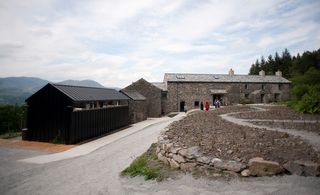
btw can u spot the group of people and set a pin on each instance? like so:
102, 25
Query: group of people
206, 106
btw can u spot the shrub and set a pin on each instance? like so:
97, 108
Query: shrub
309, 101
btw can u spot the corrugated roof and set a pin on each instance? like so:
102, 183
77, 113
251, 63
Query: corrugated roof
160, 85
133, 94
223, 78
79, 93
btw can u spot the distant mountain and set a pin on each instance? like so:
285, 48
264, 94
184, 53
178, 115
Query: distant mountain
87, 83
14, 90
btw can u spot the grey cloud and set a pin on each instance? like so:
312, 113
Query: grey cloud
8, 48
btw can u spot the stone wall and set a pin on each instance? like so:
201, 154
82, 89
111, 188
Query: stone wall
152, 95
190, 92
137, 111
191, 159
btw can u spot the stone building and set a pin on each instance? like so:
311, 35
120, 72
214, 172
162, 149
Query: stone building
190, 89
152, 93
137, 106
179, 90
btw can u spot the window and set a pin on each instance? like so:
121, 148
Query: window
263, 87
246, 95
196, 104
164, 95
279, 86
246, 86
276, 96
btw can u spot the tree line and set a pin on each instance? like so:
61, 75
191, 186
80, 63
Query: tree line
304, 72
12, 118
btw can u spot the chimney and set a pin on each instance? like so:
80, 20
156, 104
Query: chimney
231, 72
279, 73
262, 73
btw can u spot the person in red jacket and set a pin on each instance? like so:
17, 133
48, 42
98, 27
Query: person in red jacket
207, 106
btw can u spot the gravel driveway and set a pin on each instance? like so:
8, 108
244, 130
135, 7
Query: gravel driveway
98, 173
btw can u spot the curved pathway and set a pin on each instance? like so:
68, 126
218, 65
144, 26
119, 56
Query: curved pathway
309, 137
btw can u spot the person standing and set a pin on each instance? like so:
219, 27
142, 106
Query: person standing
207, 106
201, 105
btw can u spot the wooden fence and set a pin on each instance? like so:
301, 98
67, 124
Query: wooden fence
68, 126
86, 124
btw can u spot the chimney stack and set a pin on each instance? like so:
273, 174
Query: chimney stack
231, 72
262, 73
279, 73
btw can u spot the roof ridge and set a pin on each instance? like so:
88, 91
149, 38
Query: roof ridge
58, 84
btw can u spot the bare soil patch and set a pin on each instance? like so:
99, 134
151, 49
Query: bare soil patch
311, 127
279, 113
31, 145
225, 140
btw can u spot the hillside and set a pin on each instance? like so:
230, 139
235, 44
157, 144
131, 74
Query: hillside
88, 83
14, 90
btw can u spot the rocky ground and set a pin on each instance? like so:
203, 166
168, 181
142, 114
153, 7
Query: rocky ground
218, 138
311, 127
279, 113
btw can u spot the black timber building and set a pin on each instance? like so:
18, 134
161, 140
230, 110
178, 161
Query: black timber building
70, 114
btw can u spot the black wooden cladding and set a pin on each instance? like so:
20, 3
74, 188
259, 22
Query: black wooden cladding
79, 125
51, 118
86, 124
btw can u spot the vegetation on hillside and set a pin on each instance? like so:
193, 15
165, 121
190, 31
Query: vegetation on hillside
12, 119
304, 72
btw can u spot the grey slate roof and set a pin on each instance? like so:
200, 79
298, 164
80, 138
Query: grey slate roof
79, 93
223, 78
133, 94
160, 85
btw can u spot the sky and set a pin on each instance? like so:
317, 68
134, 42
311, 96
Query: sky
116, 42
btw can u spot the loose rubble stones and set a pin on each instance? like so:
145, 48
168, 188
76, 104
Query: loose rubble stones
204, 141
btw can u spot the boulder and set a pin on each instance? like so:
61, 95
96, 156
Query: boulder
163, 158
190, 153
303, 168
168, 147
245, 173
158, 150
178, 158
229, 165
260, 167
188, 166
174, 163
174, 150
204, 160
215, 160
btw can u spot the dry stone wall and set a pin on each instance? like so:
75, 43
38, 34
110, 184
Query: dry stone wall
191, 159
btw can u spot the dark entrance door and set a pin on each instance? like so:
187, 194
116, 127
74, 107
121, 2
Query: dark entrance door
217, 96
262, 98
182, 104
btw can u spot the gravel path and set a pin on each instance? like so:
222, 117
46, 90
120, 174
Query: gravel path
98, 173
309, 137
94, 173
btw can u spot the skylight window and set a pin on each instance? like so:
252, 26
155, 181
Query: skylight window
215, 77
180, 76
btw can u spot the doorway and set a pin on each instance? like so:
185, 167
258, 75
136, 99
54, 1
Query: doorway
217, 96
262, 98
182, 104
